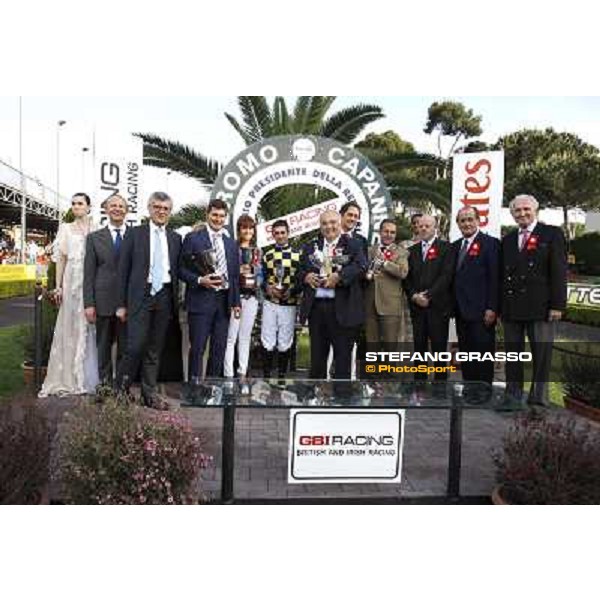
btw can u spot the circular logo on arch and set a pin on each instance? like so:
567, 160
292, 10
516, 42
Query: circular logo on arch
309, 160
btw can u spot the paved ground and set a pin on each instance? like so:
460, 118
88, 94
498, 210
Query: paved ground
262, 445
16, 311
261, 449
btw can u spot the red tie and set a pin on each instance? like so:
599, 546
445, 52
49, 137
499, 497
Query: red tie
525, 238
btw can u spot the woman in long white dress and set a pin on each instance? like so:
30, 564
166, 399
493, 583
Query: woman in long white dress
73, 364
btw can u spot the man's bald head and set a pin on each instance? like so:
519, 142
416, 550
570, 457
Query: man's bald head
427, 226
330, 225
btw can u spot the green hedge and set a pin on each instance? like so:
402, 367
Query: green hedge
11, 289
586, 249
583, 315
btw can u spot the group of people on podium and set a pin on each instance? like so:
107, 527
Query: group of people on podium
121, 285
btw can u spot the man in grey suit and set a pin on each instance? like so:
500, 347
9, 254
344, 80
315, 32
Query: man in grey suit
148, 296
100, 286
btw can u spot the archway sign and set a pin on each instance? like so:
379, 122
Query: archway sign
289, 160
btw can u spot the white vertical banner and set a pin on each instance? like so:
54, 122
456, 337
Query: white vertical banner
118, 169
478, 180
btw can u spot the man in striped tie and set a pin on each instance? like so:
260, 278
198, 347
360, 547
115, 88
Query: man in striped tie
211, 298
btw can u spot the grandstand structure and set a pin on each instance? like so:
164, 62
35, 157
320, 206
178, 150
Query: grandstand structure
43, 207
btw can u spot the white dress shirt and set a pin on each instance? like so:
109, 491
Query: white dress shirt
165, 252
530, 229
425, 245
113, 231
470, 240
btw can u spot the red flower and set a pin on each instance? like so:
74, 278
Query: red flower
532, 243
387, 254
432, 253
474, 249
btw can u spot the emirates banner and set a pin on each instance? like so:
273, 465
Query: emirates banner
478, 180
118, 170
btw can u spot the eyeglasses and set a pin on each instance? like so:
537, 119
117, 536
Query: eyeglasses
161, 208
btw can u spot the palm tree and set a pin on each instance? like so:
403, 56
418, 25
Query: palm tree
411, 178
407, 174
189, 214
259, 121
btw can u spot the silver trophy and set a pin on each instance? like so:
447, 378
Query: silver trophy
339, 260
375, 265
248, 274
322, 262
279, 275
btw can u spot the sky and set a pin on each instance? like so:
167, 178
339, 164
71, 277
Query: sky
200, 123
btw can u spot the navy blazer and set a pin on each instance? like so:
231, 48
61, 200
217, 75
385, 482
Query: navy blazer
134, 266
535, 280
197, 297
349, 300
476, 281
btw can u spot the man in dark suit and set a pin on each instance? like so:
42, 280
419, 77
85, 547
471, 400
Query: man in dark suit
429, 290
100, 286
534, 295
148, 295
476, 293
211, 299
331, 270
350, 217
350, 214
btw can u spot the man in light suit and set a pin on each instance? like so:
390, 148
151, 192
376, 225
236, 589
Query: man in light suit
384, 299
148, 296
211, 299
476, 294
100, 286
534, 295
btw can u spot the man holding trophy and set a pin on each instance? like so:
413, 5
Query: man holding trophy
331, 269
210, 265
280, 266
385, 301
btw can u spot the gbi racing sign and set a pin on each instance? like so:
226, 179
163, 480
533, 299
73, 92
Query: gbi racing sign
345, 446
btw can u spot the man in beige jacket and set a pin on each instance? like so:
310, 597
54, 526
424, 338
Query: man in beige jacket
385, 301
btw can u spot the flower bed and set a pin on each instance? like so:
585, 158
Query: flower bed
122, 454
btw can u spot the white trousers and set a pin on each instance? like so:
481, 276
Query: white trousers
277, 326
240, 330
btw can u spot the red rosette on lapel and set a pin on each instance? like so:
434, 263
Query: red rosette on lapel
532, 243
475, 249
388, 254
432, 253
